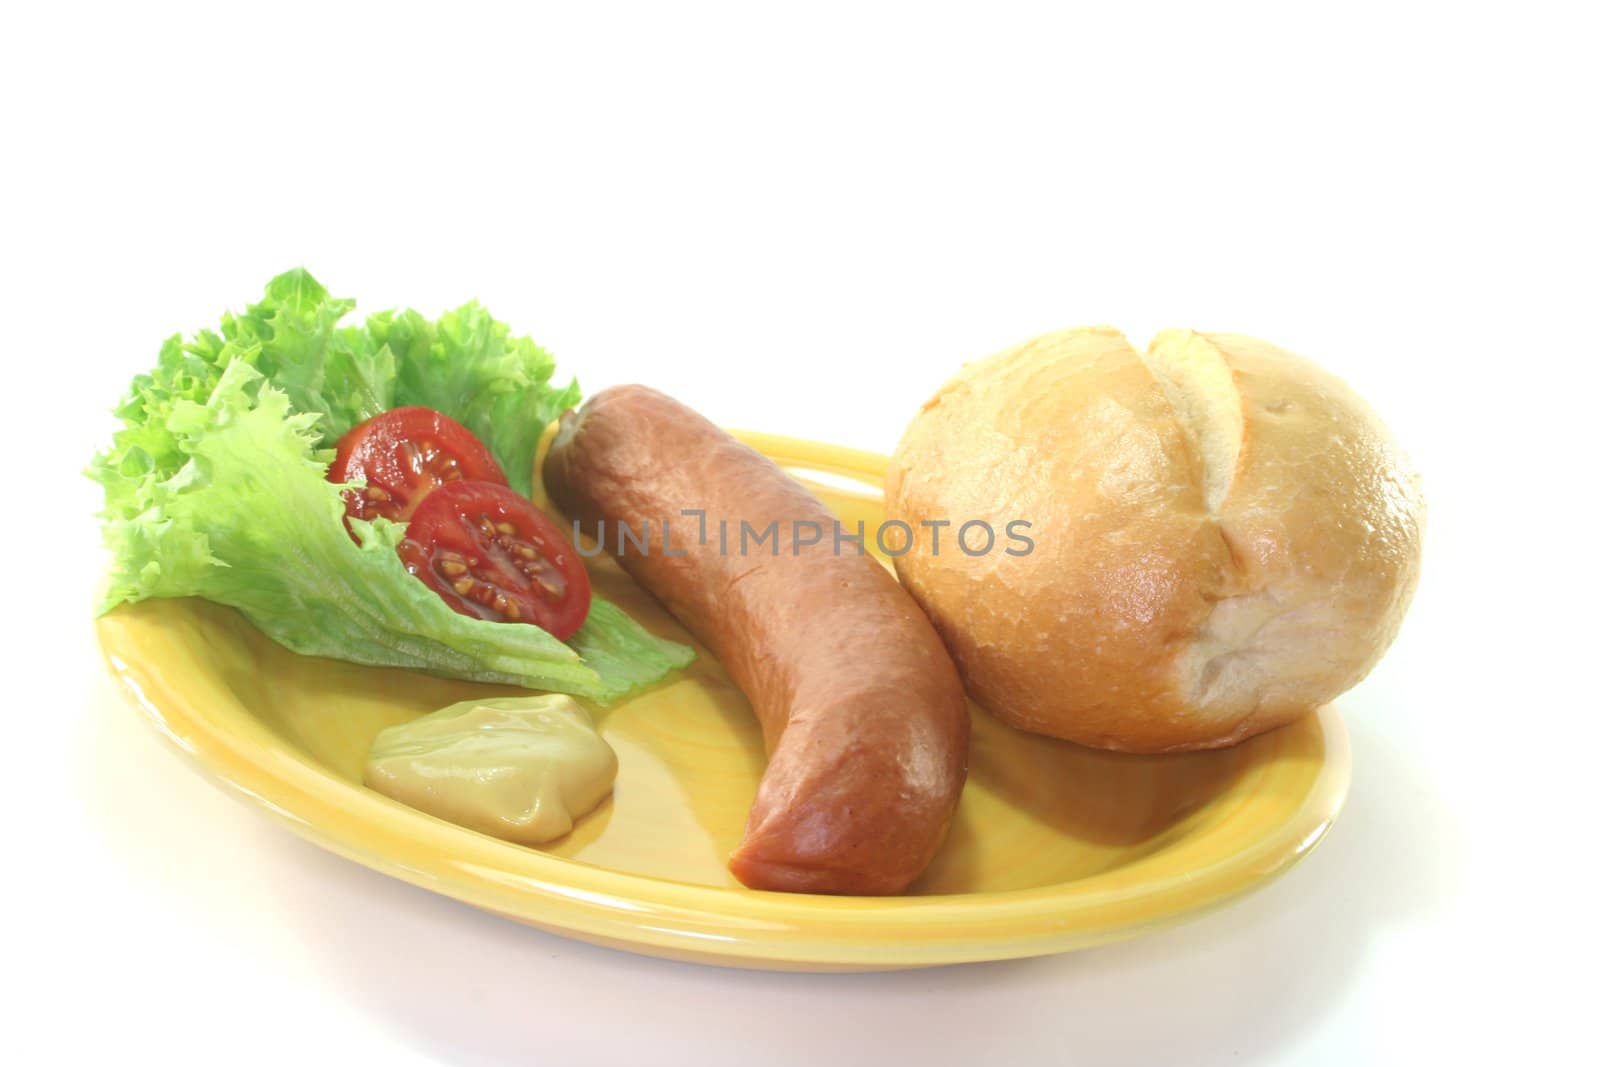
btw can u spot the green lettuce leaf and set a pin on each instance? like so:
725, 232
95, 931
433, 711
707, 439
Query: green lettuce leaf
337, 373
215, 487
470, 367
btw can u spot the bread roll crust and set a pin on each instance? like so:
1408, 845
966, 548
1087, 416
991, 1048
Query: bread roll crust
1226, 536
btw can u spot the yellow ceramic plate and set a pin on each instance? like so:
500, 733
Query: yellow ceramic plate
1055, 847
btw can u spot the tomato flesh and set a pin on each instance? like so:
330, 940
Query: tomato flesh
489, 553
402, 456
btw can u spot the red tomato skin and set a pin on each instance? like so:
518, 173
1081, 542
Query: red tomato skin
491, 554
402, 456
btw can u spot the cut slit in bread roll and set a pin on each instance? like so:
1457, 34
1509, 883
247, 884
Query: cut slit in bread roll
1226, 536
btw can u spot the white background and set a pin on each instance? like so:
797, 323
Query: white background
803, 223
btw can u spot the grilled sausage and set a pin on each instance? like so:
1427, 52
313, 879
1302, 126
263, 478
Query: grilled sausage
861, 708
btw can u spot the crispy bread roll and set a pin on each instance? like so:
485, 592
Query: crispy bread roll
1225, 535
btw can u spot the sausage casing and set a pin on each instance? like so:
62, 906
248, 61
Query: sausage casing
861, 708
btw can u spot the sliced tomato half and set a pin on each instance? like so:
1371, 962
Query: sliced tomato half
490, 553
402, 456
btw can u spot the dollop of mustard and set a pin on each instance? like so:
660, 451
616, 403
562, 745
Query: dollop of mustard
519, 768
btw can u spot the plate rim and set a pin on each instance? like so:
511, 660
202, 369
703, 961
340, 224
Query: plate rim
726, 925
